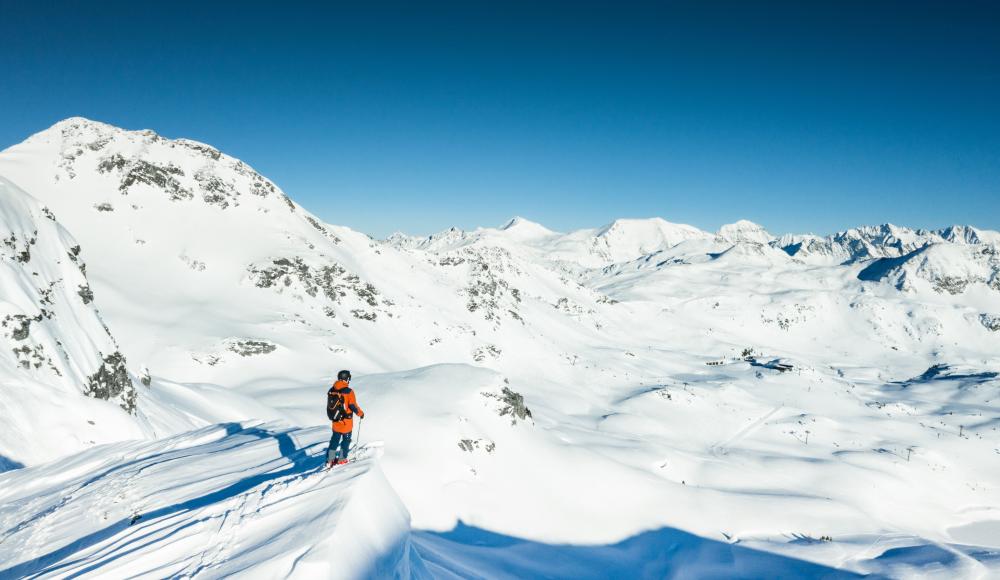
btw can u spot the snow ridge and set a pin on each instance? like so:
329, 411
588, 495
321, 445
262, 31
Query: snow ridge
254, 500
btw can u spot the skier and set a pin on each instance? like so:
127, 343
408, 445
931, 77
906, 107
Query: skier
341, 405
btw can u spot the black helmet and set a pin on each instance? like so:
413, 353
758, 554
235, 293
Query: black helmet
344, 376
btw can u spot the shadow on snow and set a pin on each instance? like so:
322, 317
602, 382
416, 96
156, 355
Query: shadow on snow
7, 464
945, 372
471, 552
301, 464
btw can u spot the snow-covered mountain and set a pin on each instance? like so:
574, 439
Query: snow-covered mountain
820, 399
884, 241
58, 357
744, 231
621, 240
65, 384
950, 268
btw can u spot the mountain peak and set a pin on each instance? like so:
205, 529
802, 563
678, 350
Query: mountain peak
150, 178
79, 121
71, 131
744, 231
525, 228
653, 224
77, 125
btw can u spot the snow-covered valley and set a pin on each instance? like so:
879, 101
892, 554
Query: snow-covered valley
644, 399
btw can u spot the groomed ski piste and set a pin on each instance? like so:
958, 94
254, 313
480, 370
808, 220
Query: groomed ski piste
639, 400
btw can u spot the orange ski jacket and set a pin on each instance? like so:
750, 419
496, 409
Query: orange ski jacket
346, 425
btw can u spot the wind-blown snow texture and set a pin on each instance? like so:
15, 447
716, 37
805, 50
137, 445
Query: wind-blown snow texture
798, 403
222, 500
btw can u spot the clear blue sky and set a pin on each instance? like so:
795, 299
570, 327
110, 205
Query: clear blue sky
417, 116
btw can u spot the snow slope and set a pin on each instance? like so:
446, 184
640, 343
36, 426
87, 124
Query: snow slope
64, 383
61, 372
648, 354
232, 499
788, 458
940, 267
252, 500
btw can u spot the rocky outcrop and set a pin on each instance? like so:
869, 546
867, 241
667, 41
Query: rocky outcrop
990, 322
250, 347
488, 351
329, 282
111, 382
471, 445
488, 290
511, 404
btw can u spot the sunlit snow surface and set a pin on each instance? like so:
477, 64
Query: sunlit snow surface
229, 499
664, 438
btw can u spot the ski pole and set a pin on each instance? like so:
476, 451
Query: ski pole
357, 443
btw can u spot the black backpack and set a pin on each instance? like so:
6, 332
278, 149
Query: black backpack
335, 405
